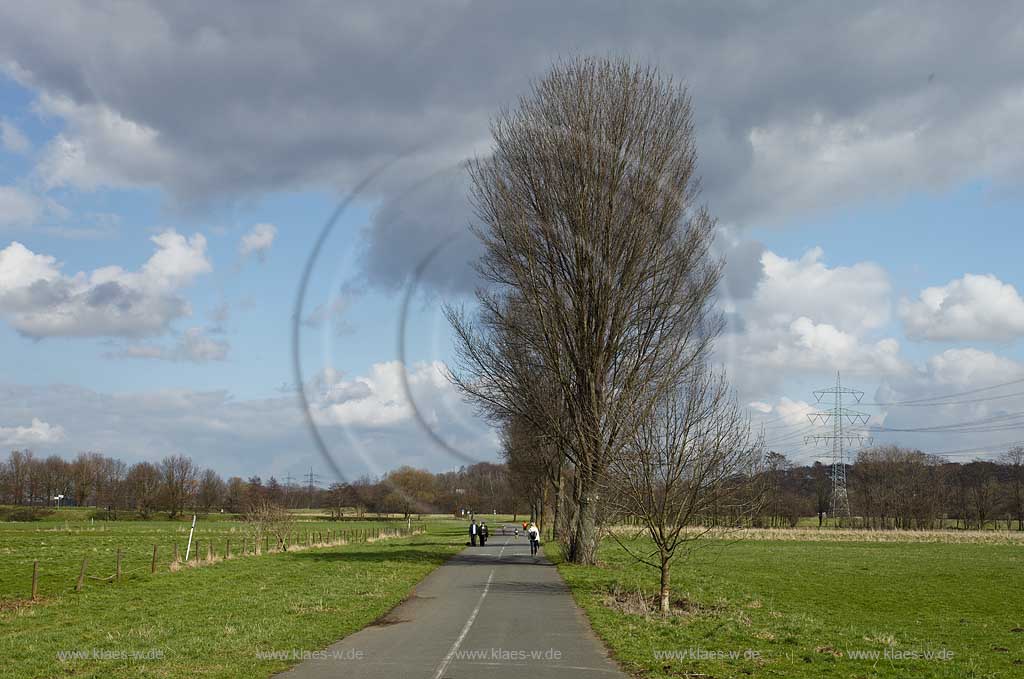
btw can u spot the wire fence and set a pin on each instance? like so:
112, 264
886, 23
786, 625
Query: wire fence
207, 552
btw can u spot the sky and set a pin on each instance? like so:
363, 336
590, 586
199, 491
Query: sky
167, 170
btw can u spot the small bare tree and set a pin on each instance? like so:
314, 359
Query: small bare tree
266, 518
694, 453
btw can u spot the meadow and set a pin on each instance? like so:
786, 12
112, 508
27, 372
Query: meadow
61, 541
240, 617
813, 608
757, 603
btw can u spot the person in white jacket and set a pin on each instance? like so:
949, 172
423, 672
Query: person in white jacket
534, 534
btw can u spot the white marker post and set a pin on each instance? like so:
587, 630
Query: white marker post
191, 530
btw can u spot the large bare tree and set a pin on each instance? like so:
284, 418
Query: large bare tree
695, 452
597, 264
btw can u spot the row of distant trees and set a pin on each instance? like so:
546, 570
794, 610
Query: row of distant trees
893, 487
889, 487
177, 484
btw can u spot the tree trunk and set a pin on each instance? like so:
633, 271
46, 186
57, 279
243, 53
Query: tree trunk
583, 538
540, 513
665, 565
558, 506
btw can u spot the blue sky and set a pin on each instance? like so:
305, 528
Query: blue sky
849, 176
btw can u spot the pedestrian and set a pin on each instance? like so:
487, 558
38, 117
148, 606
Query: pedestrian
473, 532
524, 527
534, 534
484, 533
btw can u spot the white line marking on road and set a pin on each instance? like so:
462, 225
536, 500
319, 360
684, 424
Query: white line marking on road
465, 630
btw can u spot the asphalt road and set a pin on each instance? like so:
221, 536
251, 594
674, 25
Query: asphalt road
491, 611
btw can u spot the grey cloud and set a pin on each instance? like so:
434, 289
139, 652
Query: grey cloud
743, 269
423, 229
110, 293
224, 100
42, 293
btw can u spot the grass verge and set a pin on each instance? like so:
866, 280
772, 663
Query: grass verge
813, 609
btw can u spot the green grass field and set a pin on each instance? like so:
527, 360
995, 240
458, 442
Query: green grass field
213, 621
60, 542
807, 609
802, 605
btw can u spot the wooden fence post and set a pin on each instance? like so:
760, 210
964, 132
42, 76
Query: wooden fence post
117, 570
81, 575
227, 550
176, 552
209, 551
35, 578
197, 551
152, 566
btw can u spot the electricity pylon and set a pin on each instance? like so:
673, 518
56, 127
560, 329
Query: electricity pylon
837, 414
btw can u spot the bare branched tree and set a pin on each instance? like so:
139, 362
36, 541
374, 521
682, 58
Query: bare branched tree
597, 261
694, 453
267, 518
179, 482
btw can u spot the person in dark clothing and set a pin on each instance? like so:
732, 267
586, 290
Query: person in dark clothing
473, 532
484, 533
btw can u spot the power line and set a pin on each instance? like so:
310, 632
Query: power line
990, 423
936, 400
1015, 394
792, 436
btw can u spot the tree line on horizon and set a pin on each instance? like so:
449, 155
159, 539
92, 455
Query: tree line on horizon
177, 484
889, 488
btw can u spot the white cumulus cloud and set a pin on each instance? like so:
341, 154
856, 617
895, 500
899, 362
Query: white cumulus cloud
39, 300
37, 433
974, 307
809, 317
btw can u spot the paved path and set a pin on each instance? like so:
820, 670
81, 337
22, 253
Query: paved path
491, 612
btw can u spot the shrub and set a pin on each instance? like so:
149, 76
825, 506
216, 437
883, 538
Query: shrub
25, 513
